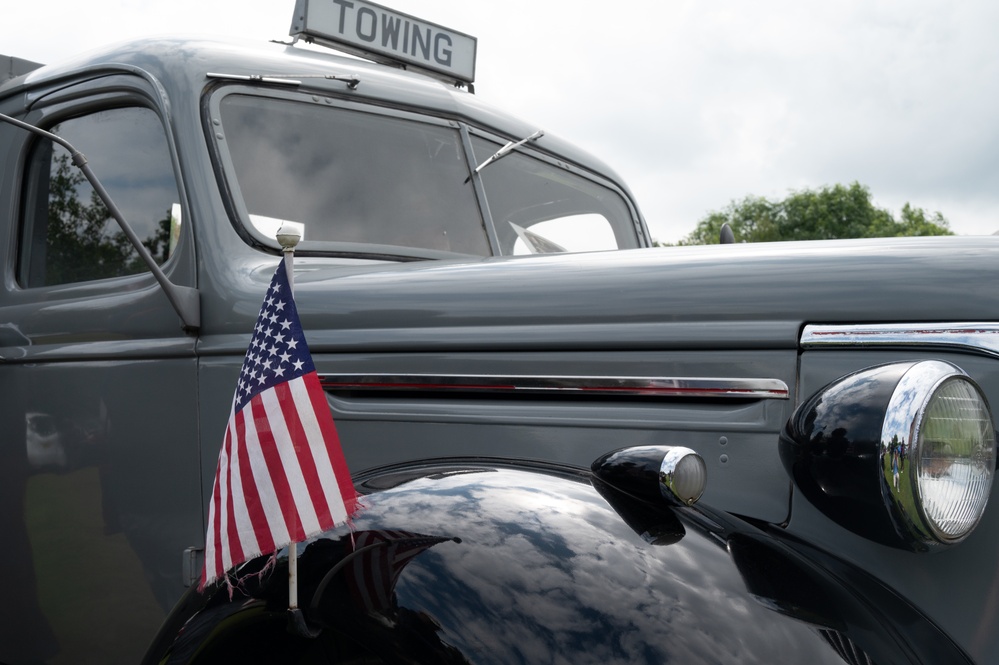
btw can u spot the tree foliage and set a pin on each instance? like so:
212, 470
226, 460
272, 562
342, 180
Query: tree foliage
824, 214
83, 240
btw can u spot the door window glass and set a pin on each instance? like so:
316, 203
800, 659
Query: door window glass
68, 234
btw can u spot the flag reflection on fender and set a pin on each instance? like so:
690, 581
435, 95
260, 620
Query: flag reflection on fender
377, 561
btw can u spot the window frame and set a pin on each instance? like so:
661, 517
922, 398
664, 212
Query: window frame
101, 91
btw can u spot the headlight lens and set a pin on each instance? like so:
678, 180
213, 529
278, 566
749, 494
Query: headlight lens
937, 453
683, 475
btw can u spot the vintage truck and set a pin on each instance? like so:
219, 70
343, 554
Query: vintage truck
529, 395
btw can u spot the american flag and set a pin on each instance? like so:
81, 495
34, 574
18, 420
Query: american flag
281, 475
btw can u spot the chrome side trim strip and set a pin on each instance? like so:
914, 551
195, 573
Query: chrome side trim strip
563, 385
980, 338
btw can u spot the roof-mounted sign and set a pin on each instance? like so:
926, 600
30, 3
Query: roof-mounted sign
381, 34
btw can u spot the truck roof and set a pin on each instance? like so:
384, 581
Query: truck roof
182, 64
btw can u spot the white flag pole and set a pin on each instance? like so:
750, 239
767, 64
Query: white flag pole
288, 236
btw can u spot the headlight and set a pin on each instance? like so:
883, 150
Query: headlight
903, 454
940, 481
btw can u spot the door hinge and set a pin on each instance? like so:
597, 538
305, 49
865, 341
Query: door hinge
193, 561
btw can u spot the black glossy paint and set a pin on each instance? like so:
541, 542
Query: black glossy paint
532, 567
831, 447
634, 471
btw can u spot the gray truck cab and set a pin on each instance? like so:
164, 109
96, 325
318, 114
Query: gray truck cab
487, 316
204, 147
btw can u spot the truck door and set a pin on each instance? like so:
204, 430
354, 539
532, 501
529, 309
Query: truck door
99, 479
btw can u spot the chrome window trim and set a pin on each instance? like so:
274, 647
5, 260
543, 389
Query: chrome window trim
980, 338
700, 387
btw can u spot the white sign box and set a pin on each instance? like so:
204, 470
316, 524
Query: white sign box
382, 34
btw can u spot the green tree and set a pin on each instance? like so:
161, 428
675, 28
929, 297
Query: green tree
827, 213
83, 241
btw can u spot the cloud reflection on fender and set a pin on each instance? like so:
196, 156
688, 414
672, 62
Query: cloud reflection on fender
547, 572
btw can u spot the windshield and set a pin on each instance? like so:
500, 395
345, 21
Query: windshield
351, 176
374, 177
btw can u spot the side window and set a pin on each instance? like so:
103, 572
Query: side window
539, 208
68, 235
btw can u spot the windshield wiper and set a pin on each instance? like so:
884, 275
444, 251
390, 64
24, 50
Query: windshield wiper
504, 151
351, 80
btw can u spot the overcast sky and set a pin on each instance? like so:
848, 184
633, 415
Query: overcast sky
694, 104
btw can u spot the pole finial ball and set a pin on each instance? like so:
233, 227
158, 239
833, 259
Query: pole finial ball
290, 234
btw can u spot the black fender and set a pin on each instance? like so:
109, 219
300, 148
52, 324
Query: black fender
468, 563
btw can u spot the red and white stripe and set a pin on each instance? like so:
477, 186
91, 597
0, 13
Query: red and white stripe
281, 476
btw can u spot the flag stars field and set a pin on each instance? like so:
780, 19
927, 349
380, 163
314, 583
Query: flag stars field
274, 339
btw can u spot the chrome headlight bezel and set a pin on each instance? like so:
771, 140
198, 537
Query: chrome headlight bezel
904, 455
